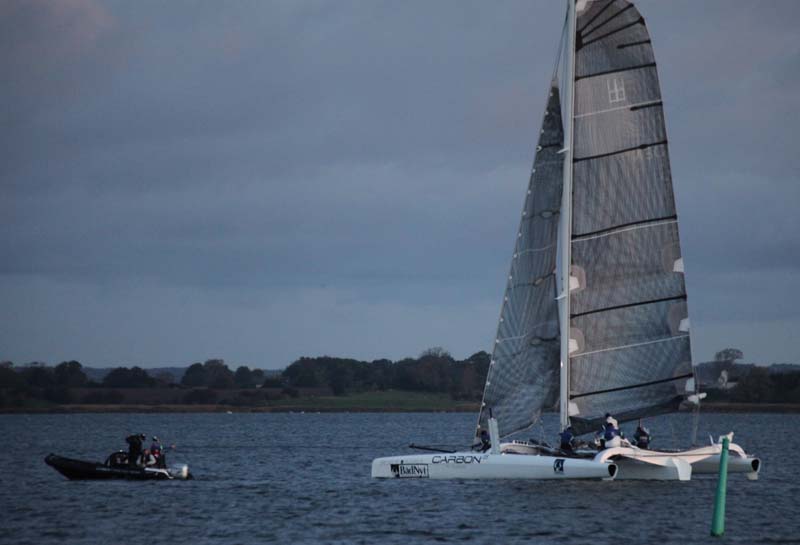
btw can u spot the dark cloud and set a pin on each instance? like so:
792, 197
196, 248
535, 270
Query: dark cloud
264, 180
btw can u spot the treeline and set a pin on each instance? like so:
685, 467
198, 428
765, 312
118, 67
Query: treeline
215, 374
725, 379
759, 385
435, 370
68, 382
38, 381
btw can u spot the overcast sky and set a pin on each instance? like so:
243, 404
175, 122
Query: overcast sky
258, 181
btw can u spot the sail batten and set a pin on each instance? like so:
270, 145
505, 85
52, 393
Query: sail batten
628, 305
631, 386
630, 353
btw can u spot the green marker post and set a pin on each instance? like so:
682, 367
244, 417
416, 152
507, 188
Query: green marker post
718, 522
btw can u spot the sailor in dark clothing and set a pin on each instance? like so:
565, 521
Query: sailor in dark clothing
486, 442
642, 436
567, 436
610, 431
134, 447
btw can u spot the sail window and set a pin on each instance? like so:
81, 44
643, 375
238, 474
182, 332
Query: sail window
616, 90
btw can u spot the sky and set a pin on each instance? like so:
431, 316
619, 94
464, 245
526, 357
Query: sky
264, 180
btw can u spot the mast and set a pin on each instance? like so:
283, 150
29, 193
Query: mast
565, 227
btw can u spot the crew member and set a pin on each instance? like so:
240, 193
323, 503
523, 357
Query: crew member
148, 459
486, 442
642, 436
567, 436
157, 452
134, 447
611, 432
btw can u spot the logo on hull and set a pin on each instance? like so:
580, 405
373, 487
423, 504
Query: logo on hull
409, 471
460, 459
558, 465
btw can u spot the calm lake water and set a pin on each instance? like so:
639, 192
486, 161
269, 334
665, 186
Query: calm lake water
305, 478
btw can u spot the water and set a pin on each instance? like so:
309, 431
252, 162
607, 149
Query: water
304, 478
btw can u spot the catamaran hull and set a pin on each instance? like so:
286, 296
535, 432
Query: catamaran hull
635, 463
640, 464
472, 465
748, 465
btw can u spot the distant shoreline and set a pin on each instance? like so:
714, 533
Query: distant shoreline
312, 408
87, 409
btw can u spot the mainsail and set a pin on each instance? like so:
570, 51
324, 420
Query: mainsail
628, 341
523, 374
629, 351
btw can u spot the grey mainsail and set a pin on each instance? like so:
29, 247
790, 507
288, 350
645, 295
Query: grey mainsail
523, 374
629, 341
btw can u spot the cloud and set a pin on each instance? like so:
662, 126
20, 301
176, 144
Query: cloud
357, 167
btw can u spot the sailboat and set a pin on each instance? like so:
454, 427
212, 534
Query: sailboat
594, 318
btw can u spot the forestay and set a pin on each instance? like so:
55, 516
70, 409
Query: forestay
523, 374
629, 335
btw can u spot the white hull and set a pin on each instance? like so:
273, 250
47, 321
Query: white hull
636, 463
748, 465
521, 460
526, 460
476, 465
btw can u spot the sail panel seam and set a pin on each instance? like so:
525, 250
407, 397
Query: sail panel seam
641, 385
616, 230
596, 15
534, 250
534, 284
516, 338
610, 230
640, 20
640, 303
632, 107
634, 345
633, 44
626, 150
616, 70
653, 104
604, 23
